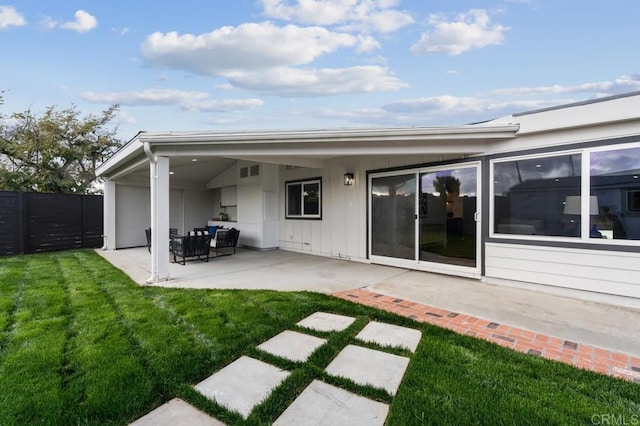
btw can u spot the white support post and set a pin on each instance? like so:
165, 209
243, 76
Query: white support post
109, 218
159, 219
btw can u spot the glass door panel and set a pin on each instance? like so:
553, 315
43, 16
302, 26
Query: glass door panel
447, 213
393, 203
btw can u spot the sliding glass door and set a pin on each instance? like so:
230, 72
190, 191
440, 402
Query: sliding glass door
393, 200
448, 206
427, 219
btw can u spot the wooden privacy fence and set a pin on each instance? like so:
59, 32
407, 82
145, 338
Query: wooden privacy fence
33, 222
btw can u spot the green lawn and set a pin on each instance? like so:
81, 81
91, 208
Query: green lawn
80, 343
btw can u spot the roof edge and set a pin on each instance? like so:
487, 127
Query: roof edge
580, 103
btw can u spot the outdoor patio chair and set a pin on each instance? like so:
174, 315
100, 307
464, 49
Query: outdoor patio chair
225, 238
194, 245
147, 233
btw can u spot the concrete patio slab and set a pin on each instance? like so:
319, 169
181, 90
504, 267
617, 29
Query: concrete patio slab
369, 367
242, 385
177, 413
251, 269
600, 322
390, 335
323, 404
324, 321
292, 345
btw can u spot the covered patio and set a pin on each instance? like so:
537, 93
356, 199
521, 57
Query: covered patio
585, 322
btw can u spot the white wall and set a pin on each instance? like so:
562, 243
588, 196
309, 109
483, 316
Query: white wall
188, 208
176, 210
257, 209
342, 231
199, 208
588, 270
133, 215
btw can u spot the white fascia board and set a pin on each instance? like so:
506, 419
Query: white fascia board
599, 112
337, 135
130, 150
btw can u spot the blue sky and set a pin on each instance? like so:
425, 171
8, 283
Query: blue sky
277, 64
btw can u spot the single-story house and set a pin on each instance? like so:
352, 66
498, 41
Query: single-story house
548, 199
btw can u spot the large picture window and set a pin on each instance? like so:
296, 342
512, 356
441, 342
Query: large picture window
537, 196
590, 195
304, 199
615, 190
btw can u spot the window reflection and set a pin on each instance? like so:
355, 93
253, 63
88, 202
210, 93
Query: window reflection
448, 203
531, 196
615, 194
393, 201
304, 199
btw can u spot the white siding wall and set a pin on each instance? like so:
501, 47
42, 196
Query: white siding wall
595, 271
199, 208
342, 232
176, 211
188, 208
133, 215
258, 219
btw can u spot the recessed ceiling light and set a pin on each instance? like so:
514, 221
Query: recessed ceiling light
171, 173
538, 165
194, 159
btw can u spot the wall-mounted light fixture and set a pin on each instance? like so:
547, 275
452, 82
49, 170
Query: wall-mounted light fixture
348, 179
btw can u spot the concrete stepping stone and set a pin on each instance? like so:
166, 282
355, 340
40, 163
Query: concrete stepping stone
369, 367
390, 335
323, 404
323, 321
292, 345
177, 413
242, 385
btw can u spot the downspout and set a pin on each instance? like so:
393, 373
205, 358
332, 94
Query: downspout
147, 150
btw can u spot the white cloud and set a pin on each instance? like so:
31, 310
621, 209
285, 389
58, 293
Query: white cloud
265, 58
10, 17
444, 102
121, 31
82, 23
362, 15
286, 81
362, 115
251, 46
185, 100
447, 109
623, 84
367, 44
471, 30
145, 97
225, 105
465, 104
123, 117
48, 23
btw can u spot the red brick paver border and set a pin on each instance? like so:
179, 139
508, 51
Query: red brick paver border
577, 354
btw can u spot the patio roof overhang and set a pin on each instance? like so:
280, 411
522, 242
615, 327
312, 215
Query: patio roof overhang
306, 148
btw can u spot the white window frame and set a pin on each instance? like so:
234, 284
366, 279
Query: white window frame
302, 183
